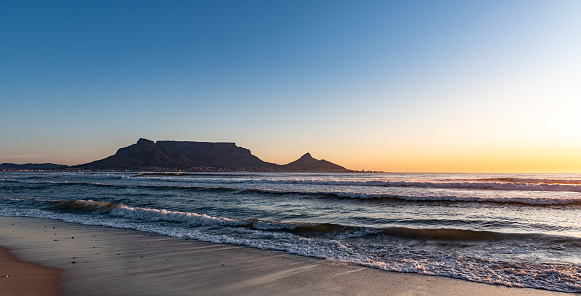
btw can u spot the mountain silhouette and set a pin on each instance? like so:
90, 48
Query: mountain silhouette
201, 156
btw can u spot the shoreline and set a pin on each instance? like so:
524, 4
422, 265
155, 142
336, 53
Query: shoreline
98, 260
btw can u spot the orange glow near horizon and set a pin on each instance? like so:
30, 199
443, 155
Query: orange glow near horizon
525, 161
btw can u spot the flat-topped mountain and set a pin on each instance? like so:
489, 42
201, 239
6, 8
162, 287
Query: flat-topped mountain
200, 156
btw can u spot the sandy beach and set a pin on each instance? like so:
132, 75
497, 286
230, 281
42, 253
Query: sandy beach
109, 261
26, 279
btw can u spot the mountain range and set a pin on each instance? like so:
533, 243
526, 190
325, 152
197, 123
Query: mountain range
200, 156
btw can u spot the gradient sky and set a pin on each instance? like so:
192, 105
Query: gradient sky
398, 86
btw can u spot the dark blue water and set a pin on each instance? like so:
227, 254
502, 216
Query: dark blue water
515, 230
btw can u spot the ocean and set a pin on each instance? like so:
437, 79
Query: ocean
518, 230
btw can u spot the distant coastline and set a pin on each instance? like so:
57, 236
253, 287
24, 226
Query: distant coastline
32, 167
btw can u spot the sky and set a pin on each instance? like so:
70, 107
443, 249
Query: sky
395, 86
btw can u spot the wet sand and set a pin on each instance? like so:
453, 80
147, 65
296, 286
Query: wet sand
110, 261
26, 279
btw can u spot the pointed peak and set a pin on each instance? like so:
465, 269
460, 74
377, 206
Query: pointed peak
306, 156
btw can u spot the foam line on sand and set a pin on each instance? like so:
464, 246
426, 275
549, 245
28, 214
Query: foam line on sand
108, 261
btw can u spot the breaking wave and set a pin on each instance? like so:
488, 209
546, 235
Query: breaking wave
195, 219
154, 215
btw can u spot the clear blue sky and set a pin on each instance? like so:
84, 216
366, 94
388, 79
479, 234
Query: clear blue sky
384, 85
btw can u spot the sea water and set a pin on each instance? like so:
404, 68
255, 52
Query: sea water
511, 229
